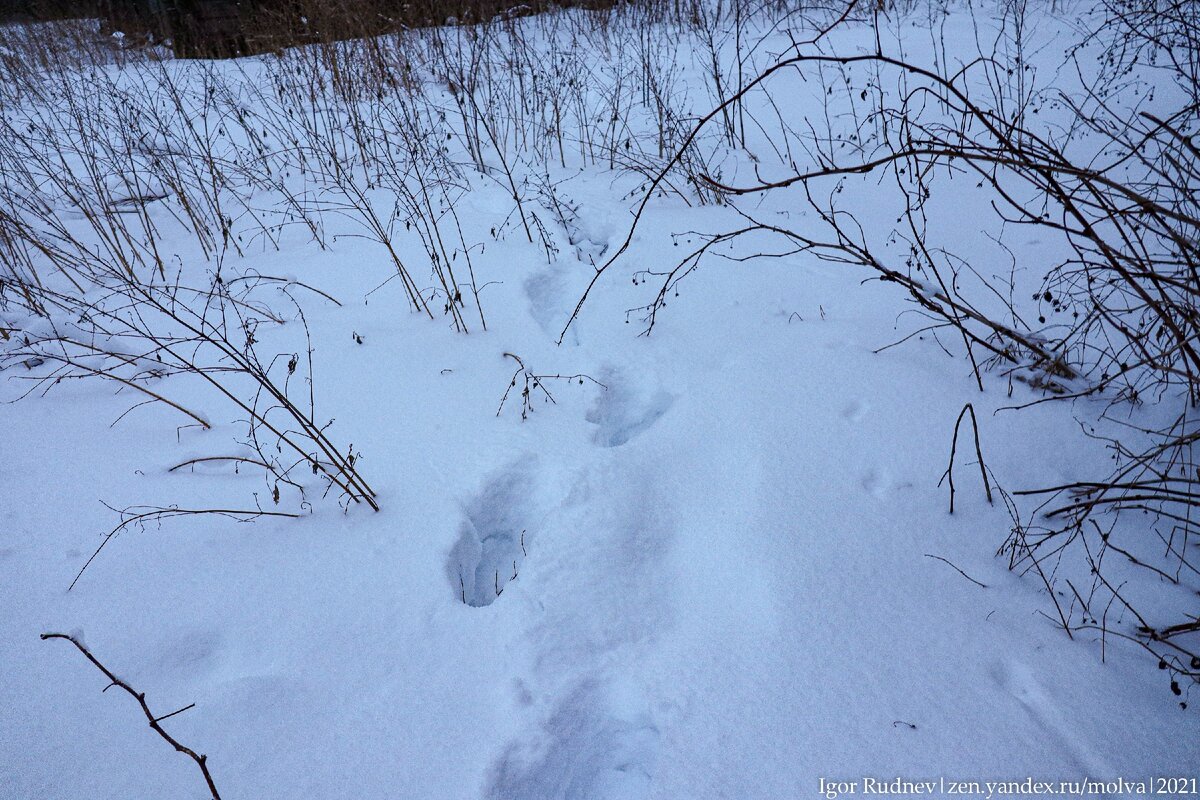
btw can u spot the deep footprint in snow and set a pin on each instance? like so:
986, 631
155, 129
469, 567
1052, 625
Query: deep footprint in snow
490, 545
545, 293
599, 744
622, 413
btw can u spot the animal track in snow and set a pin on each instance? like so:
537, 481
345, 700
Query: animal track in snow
194, 652
621, 414
596, 745
490, 545
876, 482
855, 410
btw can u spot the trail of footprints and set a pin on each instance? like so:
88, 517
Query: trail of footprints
491, 543
874, 479
596, 739
594, 747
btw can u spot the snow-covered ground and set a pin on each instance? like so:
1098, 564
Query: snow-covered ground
719, 565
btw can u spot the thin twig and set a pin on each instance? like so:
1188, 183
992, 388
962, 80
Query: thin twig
959, 571
201, 759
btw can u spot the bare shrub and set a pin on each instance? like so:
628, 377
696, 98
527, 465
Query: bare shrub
1117, 318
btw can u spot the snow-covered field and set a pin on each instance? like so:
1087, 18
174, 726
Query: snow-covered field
718, 565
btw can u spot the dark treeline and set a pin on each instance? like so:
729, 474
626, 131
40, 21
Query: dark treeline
29, 10
219, 28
